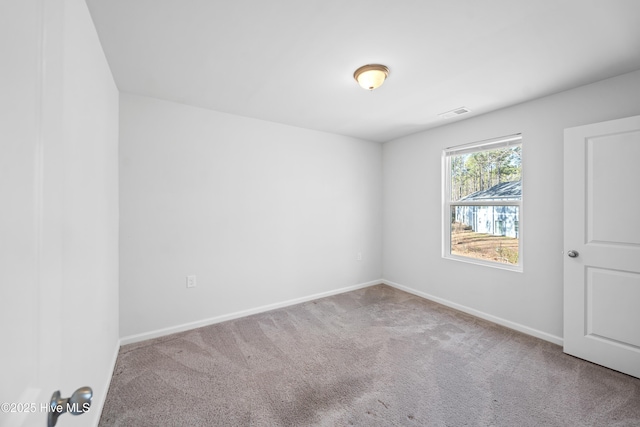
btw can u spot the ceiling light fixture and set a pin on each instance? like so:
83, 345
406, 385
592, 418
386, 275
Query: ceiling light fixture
371, 76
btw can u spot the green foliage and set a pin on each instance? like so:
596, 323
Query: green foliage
483, 169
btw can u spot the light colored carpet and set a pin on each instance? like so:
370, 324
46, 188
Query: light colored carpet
371, 357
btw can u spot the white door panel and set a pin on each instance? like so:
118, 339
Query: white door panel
612, 174
30, 309
602, 223
609, 292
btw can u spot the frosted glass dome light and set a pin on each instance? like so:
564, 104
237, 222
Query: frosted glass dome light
371, 76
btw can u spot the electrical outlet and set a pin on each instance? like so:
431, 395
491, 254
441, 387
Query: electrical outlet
359, 256
191, 281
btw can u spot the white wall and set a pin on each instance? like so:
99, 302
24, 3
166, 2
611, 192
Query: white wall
412, 211
262, 213
59, 222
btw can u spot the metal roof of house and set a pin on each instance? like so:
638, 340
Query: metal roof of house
502, 191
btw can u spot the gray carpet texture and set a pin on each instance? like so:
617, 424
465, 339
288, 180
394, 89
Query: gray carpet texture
372, 357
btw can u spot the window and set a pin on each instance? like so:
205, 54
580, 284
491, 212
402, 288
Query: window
482, 215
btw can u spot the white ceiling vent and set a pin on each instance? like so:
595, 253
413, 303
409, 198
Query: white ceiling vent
455, 112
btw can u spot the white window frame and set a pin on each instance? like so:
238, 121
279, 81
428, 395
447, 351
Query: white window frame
447, 203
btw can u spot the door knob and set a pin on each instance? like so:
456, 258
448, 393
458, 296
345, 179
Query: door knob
77, 404
573, 254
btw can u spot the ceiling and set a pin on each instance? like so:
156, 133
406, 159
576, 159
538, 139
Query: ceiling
292, 61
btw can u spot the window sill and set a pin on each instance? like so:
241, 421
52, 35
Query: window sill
502, 266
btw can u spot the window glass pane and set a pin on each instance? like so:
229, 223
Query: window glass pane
487, 175
486, 232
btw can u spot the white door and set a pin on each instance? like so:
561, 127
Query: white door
602, 232
30, 309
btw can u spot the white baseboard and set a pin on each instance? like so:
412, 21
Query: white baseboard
223, 318
98, 404
491, 318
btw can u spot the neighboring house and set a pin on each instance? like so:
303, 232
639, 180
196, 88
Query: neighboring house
498, 220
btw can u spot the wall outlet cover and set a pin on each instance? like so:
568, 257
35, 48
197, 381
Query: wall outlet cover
191, 281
